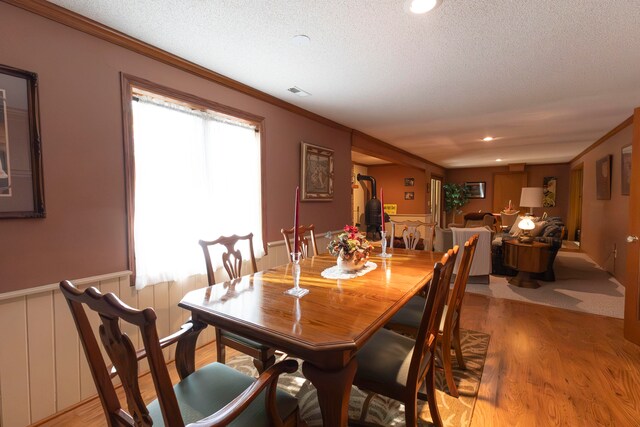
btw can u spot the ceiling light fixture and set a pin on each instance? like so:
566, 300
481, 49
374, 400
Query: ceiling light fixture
487, 138
423, 6
301, 40
297, 91
498, 160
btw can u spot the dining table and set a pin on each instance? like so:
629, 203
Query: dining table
325, 328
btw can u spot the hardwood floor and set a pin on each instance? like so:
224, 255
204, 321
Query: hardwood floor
545, 367
553, 367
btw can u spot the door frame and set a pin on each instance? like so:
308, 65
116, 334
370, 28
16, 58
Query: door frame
632, 294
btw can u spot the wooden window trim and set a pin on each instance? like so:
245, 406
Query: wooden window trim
128, 83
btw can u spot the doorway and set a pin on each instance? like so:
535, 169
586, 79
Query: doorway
574, 219
436, 199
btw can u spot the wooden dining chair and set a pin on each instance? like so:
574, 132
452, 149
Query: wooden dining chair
407, 319
263, 356
304, 241
214, 395
397, 366
411, 234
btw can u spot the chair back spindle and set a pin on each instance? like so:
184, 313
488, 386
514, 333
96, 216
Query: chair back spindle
302, 239
231, 258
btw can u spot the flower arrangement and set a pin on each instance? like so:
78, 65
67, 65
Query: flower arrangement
350, 246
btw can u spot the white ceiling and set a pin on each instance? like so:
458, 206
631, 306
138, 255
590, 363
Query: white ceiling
547, 77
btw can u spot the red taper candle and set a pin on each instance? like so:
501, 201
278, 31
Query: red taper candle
296, 218
382, 208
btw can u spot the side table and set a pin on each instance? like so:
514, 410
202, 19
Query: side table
527, 258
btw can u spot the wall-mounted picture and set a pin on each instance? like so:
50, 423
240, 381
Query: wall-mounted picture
475, 190
409, 182
625, 171
603, 178
5, 171
21, 182
317, 173
409, 195
549, 191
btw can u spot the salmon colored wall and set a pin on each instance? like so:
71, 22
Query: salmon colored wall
84, 233
605, 222
535, 175
391, 178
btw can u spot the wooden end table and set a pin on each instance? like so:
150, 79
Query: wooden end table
527, 258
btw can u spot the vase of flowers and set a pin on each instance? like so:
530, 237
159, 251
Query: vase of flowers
351, 249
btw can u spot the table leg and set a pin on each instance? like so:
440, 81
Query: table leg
334, 388
524, 280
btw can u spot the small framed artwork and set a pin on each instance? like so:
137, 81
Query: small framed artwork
409, 195
549, 191
603, 178
409, 182
316, 173
625, 171
21, 182
475, 190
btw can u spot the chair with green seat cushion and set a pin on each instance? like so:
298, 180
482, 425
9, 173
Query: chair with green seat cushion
407, 319
263, 356
209, 389
396, 366
215, 395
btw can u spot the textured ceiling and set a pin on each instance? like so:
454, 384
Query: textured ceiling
547, 77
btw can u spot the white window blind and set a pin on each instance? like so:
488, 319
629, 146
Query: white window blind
197, 176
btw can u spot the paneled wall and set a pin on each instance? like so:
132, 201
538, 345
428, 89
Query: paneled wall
605, 223
43, 369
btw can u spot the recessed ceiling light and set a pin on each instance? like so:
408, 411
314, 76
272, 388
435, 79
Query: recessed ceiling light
498, 160
301, 40
423, 6
487, 138
297, 91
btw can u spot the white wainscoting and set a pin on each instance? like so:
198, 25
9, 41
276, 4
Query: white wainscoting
43, 369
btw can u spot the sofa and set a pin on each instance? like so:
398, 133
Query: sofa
548, 230
444, 236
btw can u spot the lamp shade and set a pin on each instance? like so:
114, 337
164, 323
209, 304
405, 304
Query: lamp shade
531, 197
526, 224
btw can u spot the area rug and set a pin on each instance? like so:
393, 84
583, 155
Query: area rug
382, 411
581, 285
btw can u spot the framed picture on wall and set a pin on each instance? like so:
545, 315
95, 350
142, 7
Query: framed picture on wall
549, 191
409, 182
603, 178
409, 195
316, 173
21, 182
625, 171
475, 190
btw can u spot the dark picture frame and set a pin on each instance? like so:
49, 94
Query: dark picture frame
625, 170
476, 190
603, 178
316, 173
409, 195
409, 182
21, 178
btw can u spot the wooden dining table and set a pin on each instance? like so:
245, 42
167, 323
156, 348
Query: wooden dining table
325, 328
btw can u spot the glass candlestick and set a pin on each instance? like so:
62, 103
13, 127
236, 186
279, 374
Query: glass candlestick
384, 253
296, 291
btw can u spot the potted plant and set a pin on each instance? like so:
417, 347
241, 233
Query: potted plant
455, 197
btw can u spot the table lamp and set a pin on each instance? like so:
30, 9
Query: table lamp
526, 225
531, 197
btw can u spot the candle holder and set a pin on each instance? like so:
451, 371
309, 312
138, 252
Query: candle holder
296, 291
384, 253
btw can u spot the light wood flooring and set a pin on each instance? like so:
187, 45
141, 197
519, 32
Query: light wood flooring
545, 367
